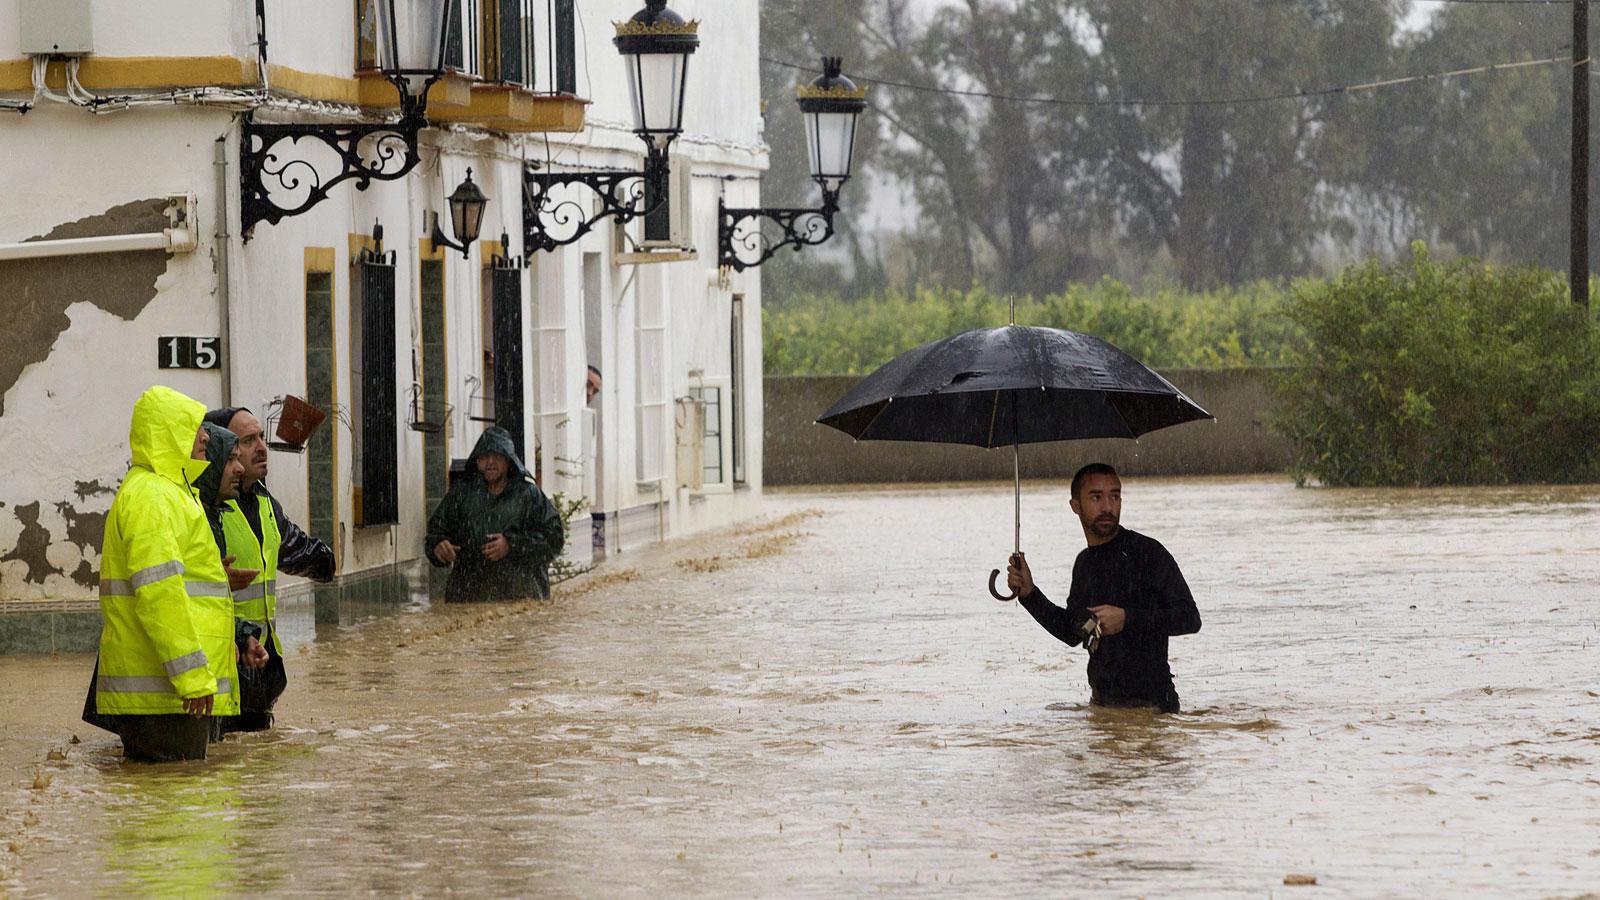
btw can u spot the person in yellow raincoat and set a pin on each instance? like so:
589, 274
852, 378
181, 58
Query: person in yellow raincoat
167, 662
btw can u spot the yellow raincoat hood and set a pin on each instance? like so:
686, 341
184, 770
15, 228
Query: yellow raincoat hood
161, 434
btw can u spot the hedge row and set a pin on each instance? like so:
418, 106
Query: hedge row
1417, 373
825, 335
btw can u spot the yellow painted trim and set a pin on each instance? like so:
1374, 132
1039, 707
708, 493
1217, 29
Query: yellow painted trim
315, 86
455, 99
488, 250
427, 249
360, 242
111, 73
319, 259
505, 108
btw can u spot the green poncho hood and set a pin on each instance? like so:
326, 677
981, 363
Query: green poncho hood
218, 449
497, 440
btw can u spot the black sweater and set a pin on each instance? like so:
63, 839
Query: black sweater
1138, 574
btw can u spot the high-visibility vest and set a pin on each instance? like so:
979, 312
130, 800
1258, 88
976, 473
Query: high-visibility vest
259, 601
168, 630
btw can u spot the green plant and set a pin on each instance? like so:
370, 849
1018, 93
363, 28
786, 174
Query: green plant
1424, 373
1164, 326
562, 568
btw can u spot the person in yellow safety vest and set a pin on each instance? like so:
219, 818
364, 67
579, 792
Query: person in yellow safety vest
166, 662
215, 487
259, 536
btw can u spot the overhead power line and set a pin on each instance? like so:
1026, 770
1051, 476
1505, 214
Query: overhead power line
1296, 94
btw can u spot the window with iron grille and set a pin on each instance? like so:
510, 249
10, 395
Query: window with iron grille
496, 40
378, 441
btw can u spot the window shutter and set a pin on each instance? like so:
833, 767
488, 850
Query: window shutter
507, 312
380, 437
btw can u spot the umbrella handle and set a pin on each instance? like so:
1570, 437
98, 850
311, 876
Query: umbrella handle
993, 575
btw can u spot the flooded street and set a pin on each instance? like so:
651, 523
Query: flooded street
1397, 692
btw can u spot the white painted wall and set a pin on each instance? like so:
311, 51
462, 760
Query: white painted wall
66, 419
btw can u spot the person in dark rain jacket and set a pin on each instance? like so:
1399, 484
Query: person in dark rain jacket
496, 530
1127, 598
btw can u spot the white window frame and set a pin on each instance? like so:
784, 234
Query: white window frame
724, 386
653, 412
549, 323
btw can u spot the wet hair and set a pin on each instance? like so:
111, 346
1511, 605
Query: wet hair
1091, 469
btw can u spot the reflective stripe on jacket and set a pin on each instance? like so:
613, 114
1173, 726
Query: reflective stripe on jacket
259, 601
168, 617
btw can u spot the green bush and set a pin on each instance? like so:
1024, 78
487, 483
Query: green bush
1431, 374
1165, 328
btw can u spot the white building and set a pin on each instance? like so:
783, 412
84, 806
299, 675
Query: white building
137, 112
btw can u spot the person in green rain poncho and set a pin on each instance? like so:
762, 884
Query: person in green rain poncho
496, 530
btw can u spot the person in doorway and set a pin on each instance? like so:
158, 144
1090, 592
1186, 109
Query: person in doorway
591, 387
1127, 598
495, 529
258, 536
166, 663
217, 485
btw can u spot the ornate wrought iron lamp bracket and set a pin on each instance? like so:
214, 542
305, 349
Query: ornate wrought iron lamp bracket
550, 222
277, 182
743, 245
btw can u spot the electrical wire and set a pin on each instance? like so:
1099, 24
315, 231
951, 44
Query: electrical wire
1201, 101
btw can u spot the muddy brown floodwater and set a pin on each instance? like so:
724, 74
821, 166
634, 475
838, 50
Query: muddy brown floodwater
1395, 693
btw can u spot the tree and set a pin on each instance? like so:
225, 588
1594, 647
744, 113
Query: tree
1481, 164
799, 33
1233, 190
1001, 184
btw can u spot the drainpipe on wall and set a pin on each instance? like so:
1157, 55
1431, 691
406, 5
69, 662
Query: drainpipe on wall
222, 245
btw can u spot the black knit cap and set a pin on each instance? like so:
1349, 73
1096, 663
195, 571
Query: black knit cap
221, 417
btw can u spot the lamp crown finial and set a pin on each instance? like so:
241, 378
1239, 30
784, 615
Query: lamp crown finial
832, 66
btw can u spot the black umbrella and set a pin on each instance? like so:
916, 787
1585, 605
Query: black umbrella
1011, 386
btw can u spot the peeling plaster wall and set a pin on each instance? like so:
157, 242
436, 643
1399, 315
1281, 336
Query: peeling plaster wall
85, 342
79, 342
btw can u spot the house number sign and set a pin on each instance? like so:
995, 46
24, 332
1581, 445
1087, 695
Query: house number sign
189, 352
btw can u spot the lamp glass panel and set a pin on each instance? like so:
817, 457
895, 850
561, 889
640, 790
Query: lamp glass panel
831, 138
411, 38
466, 217
656, 83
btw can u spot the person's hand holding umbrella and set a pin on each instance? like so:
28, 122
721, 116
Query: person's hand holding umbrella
1019, 578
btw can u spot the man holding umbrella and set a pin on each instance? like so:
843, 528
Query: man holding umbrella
1127, 598
999, 387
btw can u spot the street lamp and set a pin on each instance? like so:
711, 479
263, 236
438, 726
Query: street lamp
466, 204
411, 36
831, 106
655, 45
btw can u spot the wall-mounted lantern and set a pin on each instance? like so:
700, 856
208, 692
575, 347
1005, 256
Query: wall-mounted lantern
655, 45
467, 204
277, 182
831, 106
